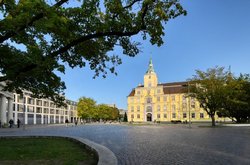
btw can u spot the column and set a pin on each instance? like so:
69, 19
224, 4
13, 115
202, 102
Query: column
42, 118
3, 110
10, 109
15, 117
34, 119
59, 116
15, 112
35, 108
48, 118
25, 110
42, 122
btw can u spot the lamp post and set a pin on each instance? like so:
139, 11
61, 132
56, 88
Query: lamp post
189, 103
189, 108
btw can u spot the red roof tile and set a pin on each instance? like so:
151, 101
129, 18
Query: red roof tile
132, 93
169, 88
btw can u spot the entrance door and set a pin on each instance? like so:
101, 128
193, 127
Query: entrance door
149, 117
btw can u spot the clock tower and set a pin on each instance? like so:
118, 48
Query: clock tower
150, 78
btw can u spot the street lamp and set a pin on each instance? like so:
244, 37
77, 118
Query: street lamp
189, 108
189, 103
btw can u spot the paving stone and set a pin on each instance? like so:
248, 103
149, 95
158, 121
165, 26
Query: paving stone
159, 144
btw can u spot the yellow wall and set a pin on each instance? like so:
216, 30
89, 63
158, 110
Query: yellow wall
137, 104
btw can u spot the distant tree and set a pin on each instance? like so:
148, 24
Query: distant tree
107, 113
114, 113
209, 89
237, 101
104, 112
86, 108
39, 37
121, 116
125, 119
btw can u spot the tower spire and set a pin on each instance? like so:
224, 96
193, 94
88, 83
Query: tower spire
150, 66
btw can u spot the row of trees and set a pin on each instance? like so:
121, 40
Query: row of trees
88, 109
219, 91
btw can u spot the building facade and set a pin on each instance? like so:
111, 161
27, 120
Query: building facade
31, 110
6, 105
166, 102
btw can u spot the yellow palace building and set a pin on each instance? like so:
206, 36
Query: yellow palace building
166, 102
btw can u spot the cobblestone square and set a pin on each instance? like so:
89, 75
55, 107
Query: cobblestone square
159, 144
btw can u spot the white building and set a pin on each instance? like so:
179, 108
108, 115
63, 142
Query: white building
31, 110
6, 104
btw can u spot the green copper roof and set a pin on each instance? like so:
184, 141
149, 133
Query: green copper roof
150, 66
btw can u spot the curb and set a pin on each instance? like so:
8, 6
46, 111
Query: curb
105, 155
236, 125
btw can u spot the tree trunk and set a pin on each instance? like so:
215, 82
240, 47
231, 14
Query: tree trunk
213, 120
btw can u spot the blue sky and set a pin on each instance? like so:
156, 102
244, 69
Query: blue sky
215, 32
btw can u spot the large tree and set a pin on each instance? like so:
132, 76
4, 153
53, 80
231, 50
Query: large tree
237, 101
38, 37
86, 108
208, 87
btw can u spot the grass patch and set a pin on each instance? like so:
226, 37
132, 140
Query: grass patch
45, 151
